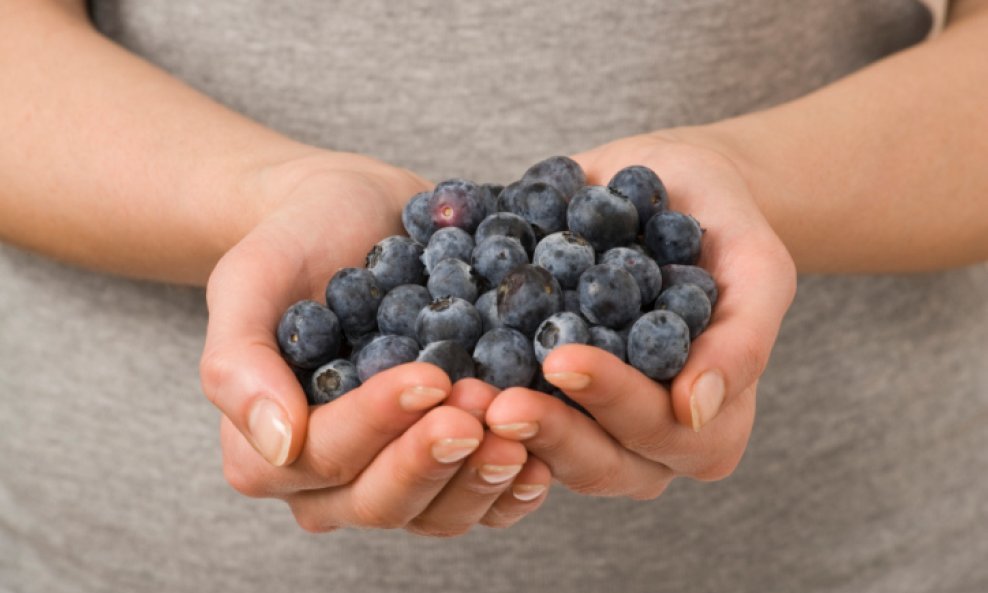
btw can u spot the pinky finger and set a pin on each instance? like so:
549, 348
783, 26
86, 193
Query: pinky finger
527, 493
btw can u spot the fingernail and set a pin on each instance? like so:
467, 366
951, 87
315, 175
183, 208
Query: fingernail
496, 474
568, 381
517, 430
270, 432
416, 399
452, 450
527, 492
708, 395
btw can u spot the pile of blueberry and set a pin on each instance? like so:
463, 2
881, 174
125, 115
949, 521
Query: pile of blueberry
491, 279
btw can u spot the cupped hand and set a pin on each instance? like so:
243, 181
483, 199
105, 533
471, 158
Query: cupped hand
406, 449
643, 434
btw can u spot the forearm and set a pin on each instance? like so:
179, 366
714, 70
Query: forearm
110, 163
883, 171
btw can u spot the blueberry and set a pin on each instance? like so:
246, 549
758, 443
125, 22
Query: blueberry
609, 296
400, 308
383, 353
357, 343
641, 266
504, 358
558, 329
689, 302
491, 193
673, 238
659, 344
507, 224
417, 219
538, 203
561, 172
526, 296
571, 302
459, 203
448, 243
644, 188
602, 217
354, 295
331, 381
449, 318
566, 255
494, 257
309, 334
675, 274
607, 339
453, 277
486, 305
451, 357
396, 260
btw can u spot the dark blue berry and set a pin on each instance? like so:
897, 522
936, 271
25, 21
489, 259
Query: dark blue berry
396, 260
449, 318
400, 308
332, 380
456, 278
689, 302
673, 238
491, 193
607, 339
354, 295
451, 357
538, 203
561, 172
459, 203
526, 296
609, 296
659, 344
417, 219
448, 243
504, 358
357, 344
507, 224
558, 329
676, 274
644, 269
566, 255
644, 188
309, 334
571, 302
383, 353
494, 257
486, 305
602, 217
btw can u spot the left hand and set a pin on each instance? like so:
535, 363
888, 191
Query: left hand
645, 434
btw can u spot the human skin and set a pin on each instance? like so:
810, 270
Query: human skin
198, 192
883, 171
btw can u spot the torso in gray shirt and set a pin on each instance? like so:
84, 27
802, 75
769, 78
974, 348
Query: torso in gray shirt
867, 469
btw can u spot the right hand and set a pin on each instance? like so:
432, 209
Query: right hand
384, 455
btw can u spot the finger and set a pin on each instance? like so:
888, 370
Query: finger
473, 396
637, 413
577, 450
401, 482
241, 370
757, 283
528, 491
344, 435
469, 495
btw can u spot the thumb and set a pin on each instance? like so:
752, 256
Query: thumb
241, 370
730, 356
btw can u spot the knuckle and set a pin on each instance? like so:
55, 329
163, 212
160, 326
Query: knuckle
650, 490
425, 528
600, 483
311, 522
215, 370
498, 518
371, 515
330, 469
242, 481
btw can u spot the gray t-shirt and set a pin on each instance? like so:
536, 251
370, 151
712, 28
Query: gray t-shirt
867, 470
